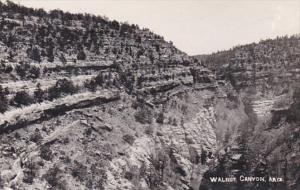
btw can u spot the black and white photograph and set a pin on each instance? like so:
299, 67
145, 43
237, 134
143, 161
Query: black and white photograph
149, 95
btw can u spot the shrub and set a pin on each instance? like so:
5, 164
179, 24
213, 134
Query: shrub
39, 94
174, 122
34, 72
25, 70
129, 139
63, 59
46, 152
115, 25
81, 55
140, 81
21, 69
17, 135
36, 137
8, 69
53, 178
79, 171
149, 130
140, 53
96, 81
62, 86
91, 85
127, 79
99, 79
3, 100
50, 54
22, 98
160, 118
66, 86
128, 175
143, 115
29, 171
34, 54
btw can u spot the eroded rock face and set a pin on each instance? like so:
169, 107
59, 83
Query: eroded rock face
146, 115
266, 84
203, 126
173, 153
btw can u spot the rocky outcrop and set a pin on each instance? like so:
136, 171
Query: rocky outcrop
202, 75
32, 115
143, 115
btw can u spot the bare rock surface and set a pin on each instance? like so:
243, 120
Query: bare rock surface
90, 103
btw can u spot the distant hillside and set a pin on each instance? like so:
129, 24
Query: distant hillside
277, 57
91, 103
266, 76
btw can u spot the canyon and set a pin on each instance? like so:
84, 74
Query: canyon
90, 103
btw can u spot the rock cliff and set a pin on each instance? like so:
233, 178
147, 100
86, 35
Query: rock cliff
90, 103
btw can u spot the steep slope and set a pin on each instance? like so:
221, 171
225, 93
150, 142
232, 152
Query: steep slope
89, 103
267, 76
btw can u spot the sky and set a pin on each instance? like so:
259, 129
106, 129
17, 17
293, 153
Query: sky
194, 26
